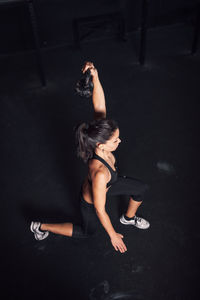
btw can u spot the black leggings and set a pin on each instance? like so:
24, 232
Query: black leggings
90, 222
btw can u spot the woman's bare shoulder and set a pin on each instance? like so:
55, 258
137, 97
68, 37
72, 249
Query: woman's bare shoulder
96, 167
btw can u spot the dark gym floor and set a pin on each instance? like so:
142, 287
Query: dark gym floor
156, 107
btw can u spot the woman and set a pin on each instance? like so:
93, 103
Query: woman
95, 143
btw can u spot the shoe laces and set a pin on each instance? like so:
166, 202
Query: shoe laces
137, 219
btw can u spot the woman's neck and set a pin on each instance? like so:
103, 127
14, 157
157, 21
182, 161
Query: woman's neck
101, 153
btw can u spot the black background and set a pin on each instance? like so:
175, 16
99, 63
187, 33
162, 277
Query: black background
156, 106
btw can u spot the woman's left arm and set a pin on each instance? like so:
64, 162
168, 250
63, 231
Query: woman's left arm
99, 195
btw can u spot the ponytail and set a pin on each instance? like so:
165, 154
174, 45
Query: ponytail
84, 148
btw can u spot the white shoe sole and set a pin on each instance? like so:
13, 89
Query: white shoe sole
32, 227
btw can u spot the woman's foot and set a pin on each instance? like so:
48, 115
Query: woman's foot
39, 235
135, 221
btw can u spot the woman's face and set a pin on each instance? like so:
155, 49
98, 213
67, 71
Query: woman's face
112, 144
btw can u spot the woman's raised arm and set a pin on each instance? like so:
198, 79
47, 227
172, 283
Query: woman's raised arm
98, 96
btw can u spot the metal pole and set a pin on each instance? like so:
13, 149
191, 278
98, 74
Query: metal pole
143, 32
36, 40
196, 31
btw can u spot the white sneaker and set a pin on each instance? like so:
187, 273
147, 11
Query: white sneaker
137, 222
39, 235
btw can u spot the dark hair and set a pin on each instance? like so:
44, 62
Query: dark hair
84, 87
88, 135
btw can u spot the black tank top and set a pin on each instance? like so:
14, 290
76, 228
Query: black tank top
112, 172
